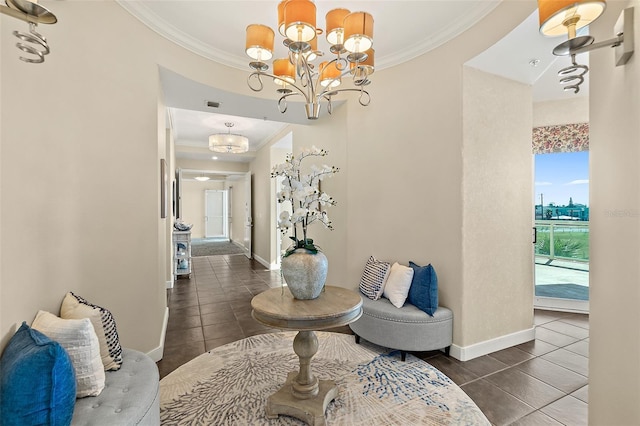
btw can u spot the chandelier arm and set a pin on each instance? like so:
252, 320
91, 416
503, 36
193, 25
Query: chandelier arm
364, 98
283, 101
256, 76
309, 75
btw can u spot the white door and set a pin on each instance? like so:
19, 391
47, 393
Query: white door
216, 219
248, 219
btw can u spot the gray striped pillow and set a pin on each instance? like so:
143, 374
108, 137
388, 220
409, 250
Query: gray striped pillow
374, 277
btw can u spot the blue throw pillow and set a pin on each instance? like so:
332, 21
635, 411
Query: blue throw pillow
37, 381
423, 292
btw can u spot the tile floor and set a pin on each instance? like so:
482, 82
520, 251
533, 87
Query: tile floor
543, 382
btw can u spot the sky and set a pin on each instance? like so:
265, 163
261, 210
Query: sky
559, 176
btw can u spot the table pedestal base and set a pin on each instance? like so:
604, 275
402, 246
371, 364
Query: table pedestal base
309, 410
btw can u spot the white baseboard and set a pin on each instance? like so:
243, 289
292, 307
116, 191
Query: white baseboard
263, 262
157, 353
169, 284
476, 350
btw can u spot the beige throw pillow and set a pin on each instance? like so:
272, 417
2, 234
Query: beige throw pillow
398, 284
79, 339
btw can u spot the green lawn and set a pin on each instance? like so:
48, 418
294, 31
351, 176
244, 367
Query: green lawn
567, 242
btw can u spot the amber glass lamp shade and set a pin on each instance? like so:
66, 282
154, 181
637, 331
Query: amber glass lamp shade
335, 26
556, 14
281, 6
284, 69
365, 67
329, 74
358, 32
259, 42
300, 20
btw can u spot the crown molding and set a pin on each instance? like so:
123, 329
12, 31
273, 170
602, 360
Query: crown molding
140, 11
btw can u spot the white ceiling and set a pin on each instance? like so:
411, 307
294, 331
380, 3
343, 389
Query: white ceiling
216, 30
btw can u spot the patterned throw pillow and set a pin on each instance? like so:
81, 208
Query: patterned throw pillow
75, 307
79, 339
374, 277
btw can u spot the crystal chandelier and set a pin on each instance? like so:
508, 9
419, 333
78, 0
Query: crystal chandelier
228, 142
350, 36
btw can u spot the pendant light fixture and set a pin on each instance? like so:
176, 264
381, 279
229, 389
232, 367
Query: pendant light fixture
228, 142
350, 36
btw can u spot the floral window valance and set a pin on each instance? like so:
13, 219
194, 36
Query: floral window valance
562, 138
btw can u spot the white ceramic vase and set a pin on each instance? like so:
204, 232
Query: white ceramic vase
305, 273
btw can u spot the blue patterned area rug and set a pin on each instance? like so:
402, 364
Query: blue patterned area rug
230, 384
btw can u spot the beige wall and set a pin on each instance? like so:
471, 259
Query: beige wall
405, 173
614, 337
80, 174
497, 251
87, 128
566, 111
193, 200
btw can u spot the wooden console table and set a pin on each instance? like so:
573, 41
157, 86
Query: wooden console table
304, 396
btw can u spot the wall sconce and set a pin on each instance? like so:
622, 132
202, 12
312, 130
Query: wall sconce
31, 43
560, 17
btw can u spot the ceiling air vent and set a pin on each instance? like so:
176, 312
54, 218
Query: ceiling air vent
213, 104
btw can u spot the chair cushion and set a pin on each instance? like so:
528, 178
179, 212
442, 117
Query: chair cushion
37, 382
424, 288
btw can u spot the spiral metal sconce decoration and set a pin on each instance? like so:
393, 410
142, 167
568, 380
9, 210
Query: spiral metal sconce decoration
32, 44
566, 17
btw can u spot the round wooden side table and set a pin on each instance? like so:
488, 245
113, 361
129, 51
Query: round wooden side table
303, 396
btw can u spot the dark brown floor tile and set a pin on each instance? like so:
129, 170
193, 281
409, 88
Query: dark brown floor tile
580, 348
554, 337
582, 394
175, 356
453, 369
524, 387
569, 360
537, 418
184, 312
218, 317
184, 295
211, 298
180, 323
243, 314
542, 317
186, 303
511, 356
214, 307
537, 347
215, 343
225, 329
484, 365
499, 407
552, 374
568, 329
568, 411
178, 337
579, 320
